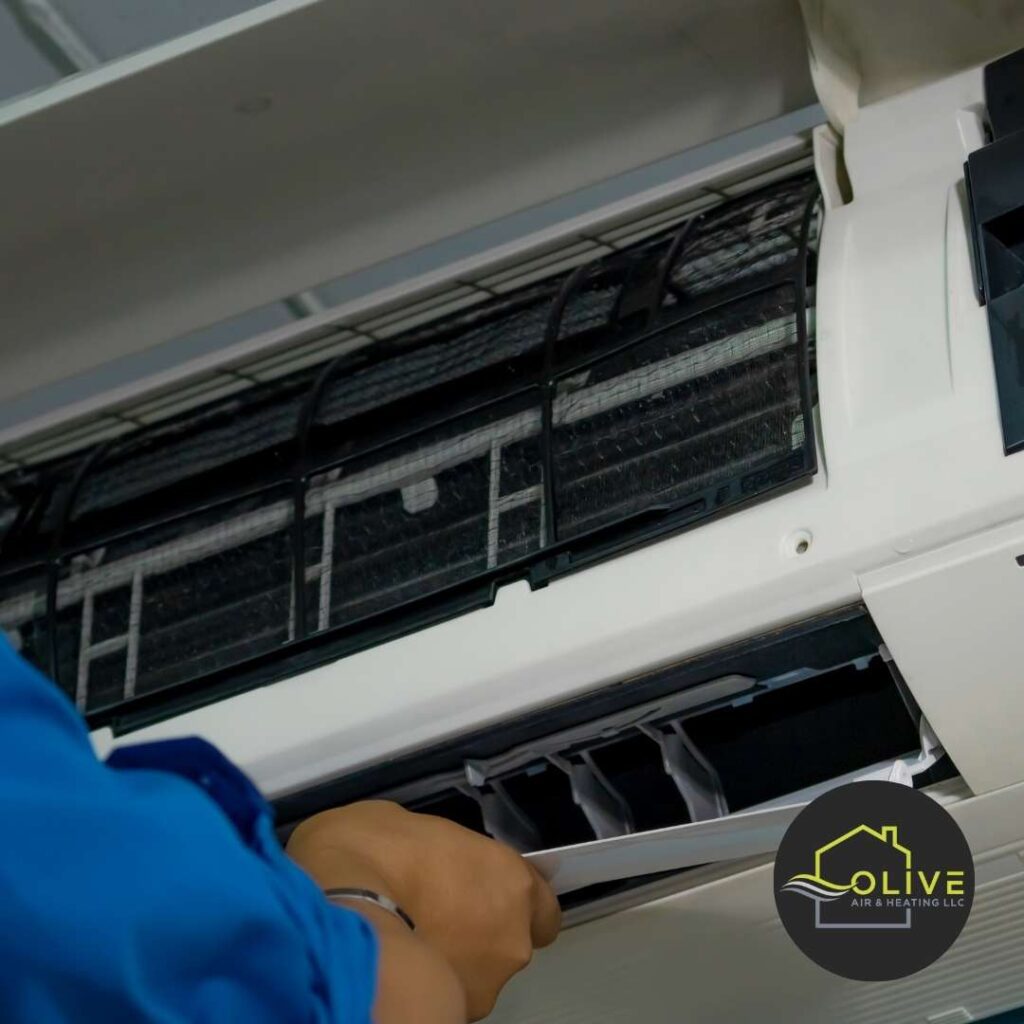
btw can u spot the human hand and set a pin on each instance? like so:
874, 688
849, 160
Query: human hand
477, 902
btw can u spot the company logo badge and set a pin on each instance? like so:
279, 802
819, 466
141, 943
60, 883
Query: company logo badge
874, 881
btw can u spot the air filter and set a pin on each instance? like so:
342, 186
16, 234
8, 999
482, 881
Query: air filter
527, 435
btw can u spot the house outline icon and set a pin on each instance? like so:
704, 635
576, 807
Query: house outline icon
887, 834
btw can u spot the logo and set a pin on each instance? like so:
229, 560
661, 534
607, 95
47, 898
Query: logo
874, 881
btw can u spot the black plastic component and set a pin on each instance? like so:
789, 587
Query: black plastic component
544, 794
454, 806
343, 505
1004, 96
995, 181
802, 734
633, 766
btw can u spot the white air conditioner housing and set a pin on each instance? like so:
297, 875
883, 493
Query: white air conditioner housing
906, 542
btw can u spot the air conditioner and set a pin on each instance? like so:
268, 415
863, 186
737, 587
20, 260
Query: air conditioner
692, 502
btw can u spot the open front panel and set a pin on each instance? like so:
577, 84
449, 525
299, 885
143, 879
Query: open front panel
526, 435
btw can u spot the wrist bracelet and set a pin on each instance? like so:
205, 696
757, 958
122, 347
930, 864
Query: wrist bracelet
336, 896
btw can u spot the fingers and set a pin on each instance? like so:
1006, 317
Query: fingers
546, 916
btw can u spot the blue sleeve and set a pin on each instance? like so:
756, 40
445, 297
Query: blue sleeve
131, 894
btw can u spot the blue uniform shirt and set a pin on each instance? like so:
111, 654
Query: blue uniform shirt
152, 888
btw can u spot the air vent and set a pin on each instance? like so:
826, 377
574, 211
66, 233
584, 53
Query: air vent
724, 746
775, 726
395, 484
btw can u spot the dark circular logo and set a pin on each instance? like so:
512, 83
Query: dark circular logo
874, 881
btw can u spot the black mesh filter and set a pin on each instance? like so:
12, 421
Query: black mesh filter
9, 510
176, 601
416, 516
31, 504
252, 435
23, 618
493, 335
400, 483
683, 418
741, 240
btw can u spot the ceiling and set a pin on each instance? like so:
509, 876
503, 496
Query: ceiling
42, 41
303, 140
76, 35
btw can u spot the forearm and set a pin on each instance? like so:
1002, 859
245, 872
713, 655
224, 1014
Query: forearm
414, 981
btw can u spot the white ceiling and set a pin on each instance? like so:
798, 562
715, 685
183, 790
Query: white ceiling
22, 64
140, 204
42, 41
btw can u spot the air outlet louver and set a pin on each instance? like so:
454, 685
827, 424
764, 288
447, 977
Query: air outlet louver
760, 723
722, 747
396, 485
